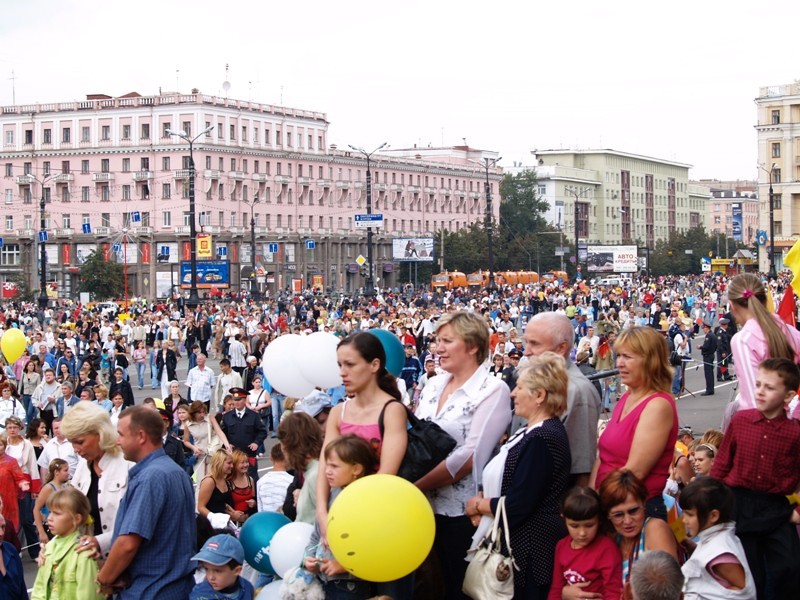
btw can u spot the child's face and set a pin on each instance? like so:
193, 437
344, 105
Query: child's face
339, 473
771, 393
221, 576
62, 522
691, 522
62, 475
582, 532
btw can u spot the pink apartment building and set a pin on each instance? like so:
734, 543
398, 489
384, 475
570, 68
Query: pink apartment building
114, 180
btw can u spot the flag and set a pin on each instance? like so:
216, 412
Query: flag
787, 310
792, 261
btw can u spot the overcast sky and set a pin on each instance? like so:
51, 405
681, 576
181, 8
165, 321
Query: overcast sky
671, 80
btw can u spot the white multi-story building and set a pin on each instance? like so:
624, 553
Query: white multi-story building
112, 177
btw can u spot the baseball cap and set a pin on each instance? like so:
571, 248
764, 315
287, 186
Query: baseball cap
220, 550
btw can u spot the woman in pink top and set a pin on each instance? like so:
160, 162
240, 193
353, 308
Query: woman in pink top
763, 335
641, 434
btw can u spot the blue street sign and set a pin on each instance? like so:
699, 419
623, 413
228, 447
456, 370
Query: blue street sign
86, 228
1, 242
164, 250
42, 236
368, 220
273, 248
136, 217
117, 247
310, 244
222, 251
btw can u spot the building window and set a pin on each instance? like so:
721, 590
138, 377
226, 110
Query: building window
105, 132
105, 165
233, 164
66, 136
65, 195
27, 222
9, 170
126, 192
145, 131
165, 163
187, 218
310, 141
84, 166
208, 127
776, 150
233, 132
105, 193
166, 219
10, 255
144, 164
27, 198
776, 175
267, 137
65, 167
85, 134
9, 196
46, 168
47, 136
777, 201
166, 191
126, 132
27, 168
776, 117
85, 193
9, 222
66, 221
165, 127
126, 165
46, 195
187, 128
244, 133
29, 136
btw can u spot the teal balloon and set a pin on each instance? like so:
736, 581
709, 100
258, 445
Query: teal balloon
395, 355
256, 535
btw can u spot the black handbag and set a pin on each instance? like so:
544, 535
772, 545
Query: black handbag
428, 445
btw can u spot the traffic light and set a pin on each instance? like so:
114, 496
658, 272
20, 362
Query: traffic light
364, 271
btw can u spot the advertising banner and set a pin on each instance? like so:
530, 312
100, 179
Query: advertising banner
412, 249
204, 246
210, 273
736, 209
612, 259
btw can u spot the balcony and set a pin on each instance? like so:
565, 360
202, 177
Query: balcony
182, 174
210, 174
261, 230
413, 189
323, 232
429, 190
461, 193
63, 177
324, 183
260, 177
64, 233
282, 179
236, 230
183, 230
26, 233
444, 191
359, 185
143, 176
342, 185
304, 231
304, 181
475, 195
236, 175
142, 231
396, 187
212, 229
102, 177
102, 230
25, 179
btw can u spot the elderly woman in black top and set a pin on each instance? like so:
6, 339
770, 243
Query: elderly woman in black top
532, 472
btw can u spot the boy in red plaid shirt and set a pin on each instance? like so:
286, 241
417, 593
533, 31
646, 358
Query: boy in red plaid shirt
760, 460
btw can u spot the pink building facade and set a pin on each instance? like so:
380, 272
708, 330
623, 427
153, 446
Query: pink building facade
115, 180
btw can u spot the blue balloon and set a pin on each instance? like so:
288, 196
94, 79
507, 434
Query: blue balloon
256, 535
395, 355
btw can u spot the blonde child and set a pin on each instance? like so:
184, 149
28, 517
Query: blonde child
288, 407
584, 558
65, 572
57, 476
347, 458
718, 566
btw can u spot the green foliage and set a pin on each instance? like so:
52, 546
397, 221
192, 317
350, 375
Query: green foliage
521, 207
25, 293
103, 279
669, 257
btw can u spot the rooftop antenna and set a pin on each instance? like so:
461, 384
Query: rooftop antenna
178, 81
226, 85
281, 95
13, 88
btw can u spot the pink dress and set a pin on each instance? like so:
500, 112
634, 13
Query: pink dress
371, 432
614, 445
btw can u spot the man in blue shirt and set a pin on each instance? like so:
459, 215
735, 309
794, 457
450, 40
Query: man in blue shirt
154, 532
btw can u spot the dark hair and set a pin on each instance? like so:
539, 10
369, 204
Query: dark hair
370, 348
145, 419
33, 428
617, 486
353, 450
705, 494
276, 454
225, 362
581, 504
786, 370
301, 438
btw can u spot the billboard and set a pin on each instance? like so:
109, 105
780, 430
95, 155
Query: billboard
412, 249
612, 259
210, 273
736, 209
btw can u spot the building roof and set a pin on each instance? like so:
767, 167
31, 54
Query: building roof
565, 152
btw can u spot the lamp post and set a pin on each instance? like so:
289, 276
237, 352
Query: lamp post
194, 299
577, 195
488, 222
369, 286
254, 292
42, 300
772, 272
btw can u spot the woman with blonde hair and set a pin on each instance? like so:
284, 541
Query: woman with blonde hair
641, 433
101, 473
762, 335
214, 496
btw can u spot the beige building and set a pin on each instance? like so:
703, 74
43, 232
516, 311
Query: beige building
621, 197
778, 130
728, 200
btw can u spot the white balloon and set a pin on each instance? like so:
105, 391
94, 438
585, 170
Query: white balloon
271, 591
319, 364
288, 545
281, 366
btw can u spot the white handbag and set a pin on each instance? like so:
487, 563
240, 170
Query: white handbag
490, 574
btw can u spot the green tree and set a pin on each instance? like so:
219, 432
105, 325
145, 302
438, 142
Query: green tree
24, 291
103, 279
521, 207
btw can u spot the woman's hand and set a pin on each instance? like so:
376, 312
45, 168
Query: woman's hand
471, 507
576, 592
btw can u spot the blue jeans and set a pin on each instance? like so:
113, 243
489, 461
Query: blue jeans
192, 360
676, 381
25, 505
140, 372
30, 409
154, 383
277, 408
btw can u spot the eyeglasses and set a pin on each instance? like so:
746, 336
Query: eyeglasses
618, 517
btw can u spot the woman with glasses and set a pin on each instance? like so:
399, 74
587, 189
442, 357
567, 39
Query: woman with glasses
622, 498
641, 433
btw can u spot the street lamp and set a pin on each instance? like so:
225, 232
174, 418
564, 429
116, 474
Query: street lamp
577, 195
441, 258
194, 299
254, 292
772, 272
369, 286
487, 162
42, 300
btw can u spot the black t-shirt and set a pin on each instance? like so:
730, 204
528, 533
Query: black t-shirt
91, 494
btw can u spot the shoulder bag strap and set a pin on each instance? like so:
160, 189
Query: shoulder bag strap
411, 417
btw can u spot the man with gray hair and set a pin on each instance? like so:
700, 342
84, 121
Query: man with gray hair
552, 332
656, 576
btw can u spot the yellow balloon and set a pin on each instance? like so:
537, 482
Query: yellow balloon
12, 344
381, 528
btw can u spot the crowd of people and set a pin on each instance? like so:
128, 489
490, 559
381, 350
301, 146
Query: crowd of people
606, 495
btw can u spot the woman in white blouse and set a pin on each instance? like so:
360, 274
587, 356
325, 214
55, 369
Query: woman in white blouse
474, 408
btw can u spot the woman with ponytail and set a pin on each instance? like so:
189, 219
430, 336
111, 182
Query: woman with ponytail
763, 335
369, 388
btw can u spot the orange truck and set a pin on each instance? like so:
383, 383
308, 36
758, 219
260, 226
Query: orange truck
448, 280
